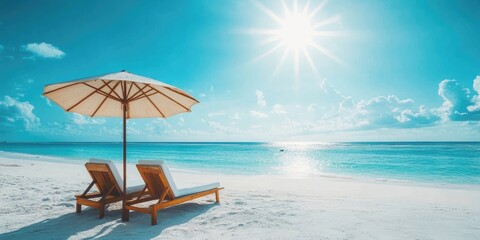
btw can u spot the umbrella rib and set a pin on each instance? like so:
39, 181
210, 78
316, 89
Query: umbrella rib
183, 94
142, 96
129, 89
99, 106
76, 104
171, 99
60, 88
123, 91
112, 89
139, 91
102, 92
163, 115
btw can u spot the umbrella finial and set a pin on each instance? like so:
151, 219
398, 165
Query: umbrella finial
123, 70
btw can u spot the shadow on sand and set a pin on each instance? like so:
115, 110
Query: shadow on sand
87, 224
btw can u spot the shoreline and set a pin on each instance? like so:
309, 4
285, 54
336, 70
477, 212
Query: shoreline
325, 176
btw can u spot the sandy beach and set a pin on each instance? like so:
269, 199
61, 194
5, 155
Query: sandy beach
38, 202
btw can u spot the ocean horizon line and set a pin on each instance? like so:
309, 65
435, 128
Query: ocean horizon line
235, 142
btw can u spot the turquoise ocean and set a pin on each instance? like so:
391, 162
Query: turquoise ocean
427, 162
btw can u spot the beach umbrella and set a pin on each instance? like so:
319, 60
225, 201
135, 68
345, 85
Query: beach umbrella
120, 94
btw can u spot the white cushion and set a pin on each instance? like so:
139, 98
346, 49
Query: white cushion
192, 190
166, 171
173, 186
133, 189
113, 168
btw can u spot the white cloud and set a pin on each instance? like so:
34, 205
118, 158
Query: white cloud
218, 127
278, 109
44, 50
260, 99
258, 114
157, 125
475, 99
84, 120
202, 95
49, 103
388, 112
132, 131
297, 126
460, 103
383, 112
161, 122
330, 91
12, 111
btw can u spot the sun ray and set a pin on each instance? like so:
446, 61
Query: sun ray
326, 22
327, 53
269, 12
286, 9
270, 39
305, 8
260, 31
297, 64
328, 33
297, 35
316, 10
272, 50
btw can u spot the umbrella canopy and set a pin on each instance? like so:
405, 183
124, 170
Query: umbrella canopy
104, 96
120, 94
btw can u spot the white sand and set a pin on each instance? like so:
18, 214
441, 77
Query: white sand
37, 202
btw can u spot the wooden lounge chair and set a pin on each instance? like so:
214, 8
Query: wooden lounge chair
162, 188
107, 180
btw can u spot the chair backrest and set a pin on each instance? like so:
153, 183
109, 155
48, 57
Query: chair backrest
157, 178
105, 175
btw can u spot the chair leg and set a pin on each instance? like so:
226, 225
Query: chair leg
101, 211
217, 197
125, 214
79, 208
154, 217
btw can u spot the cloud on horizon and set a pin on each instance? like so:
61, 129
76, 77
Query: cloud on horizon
45, 50
459, 103
278, 109
79, 119
258, 114
388, 112
12, 112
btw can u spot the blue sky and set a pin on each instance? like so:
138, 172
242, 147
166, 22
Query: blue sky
390, 70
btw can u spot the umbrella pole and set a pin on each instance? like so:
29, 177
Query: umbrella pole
125, 214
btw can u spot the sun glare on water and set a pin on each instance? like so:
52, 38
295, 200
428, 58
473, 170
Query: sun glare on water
296, 33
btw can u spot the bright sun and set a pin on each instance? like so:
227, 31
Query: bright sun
296, 33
